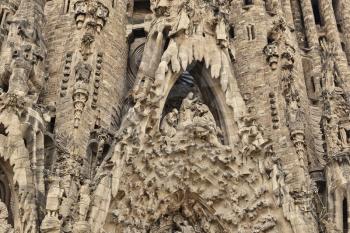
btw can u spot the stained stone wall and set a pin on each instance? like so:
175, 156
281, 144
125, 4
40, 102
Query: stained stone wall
203, 116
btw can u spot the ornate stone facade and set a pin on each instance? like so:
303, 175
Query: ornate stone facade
181, 116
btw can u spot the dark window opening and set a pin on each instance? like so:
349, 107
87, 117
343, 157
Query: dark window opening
113, 3
248, 2
141, 10
3, 129
216, 11
345, 216
66, 6
2, 13
347, 135
343, 46
2, 191
25, 143
251, 32
339, 28
313, 85
96, 126
5, 88
335, 5
337, 14
166, 44
317, 13
142, 5
52, 124
322, 39
139, 33
232, 32
248, 31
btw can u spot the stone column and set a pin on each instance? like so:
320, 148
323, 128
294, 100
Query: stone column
338, 217
326, 10
331, 204
311, 36
312, 42
287, 10
309, 22
333, 36
345, 12
3, 19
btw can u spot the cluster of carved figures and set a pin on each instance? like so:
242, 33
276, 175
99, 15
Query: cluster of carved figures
179, 171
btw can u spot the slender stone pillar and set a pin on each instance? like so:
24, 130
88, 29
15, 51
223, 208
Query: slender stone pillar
311, 34
333, 35
326, 10
298, 22
287, 10
309, 22
331, 203
345, 12
338, 217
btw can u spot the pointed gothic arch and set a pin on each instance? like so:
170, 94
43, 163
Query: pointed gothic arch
212, 94
189, 81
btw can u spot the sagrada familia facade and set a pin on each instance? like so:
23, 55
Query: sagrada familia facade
174, 116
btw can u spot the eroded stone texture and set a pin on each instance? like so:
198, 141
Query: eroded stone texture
192, 116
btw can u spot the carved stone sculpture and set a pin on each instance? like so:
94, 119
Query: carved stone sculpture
54, 198
174, 116
90, 14
170, 123
4, 226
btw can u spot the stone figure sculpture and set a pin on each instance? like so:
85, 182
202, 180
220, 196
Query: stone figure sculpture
4, 226
234, 117
84, 201
186, 113
169, 123
54, 197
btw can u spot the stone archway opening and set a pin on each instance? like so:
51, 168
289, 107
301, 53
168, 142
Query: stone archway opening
194, 80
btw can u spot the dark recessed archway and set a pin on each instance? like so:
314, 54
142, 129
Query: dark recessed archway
193, 80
